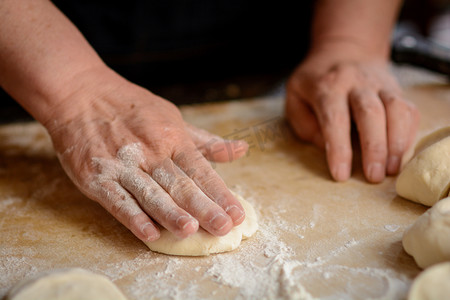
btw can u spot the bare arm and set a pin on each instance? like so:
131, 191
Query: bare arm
42, 55
364, 26
123, 146
345, 76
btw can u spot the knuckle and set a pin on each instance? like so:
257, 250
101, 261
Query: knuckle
183, 185
136, 220
203, 176
342, 151
332, 117
414, 110
343, 72
367, 107
391, 99
397, 147
374, 148
117, 206
322, 100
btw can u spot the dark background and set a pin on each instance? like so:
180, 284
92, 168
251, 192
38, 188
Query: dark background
199, 51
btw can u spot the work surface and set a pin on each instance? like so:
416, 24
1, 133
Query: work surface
317, 238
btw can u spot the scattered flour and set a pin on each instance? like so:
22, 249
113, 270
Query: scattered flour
264, 267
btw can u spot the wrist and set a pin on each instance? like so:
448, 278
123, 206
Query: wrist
77, 96
349, 48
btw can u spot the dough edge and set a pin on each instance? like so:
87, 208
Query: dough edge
433, 283
426, 178
203, 243
423, 241
89, 284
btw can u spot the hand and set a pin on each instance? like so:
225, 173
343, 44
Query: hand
329, 89
131, 151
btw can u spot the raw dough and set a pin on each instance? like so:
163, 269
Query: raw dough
203, 243
427, 240
67, 284
432, 284
426, 178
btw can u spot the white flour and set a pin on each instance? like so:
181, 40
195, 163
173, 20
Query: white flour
282, 261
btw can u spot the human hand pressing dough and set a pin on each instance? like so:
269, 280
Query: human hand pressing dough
203, 243
131, 151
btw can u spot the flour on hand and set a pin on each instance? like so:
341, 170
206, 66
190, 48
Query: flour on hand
202, 242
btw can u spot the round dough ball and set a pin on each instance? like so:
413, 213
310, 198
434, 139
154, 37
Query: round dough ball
432, 284
424, 143
202, 242
66, 284
427, 240
426, 178
431, 139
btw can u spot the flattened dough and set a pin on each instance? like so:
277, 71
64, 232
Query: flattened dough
203, 243
432, 284
427, 240
426, 178
67, 284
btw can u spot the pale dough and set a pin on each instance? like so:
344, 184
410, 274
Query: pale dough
203, 243
67, 284
426, 178
432, 284
427, 240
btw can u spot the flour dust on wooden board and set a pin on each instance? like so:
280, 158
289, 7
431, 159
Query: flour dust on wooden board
317, 239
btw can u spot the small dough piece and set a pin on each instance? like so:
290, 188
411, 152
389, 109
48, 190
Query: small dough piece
202, 242
431, 139
426, 178
424, 142
432, 284
66, 284
427, 240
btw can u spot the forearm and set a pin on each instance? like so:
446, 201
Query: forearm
358, 27
42, 55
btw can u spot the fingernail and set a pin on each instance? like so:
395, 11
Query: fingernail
184, 221
149, 232
235, 213
341, 172
219, 221
393, 164
375, 172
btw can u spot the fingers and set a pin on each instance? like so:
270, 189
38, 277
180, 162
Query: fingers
402, 124
215, 148
157, 203
302, 120
202, 174
334, 119
126, 210
370, 118
189, 197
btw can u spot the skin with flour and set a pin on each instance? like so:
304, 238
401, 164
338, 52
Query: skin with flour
93, 114
203, 243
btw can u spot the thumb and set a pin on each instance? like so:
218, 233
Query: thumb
215, 148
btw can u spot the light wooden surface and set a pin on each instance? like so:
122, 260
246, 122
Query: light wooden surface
317, 238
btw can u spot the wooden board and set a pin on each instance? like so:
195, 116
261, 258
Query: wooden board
317, 238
